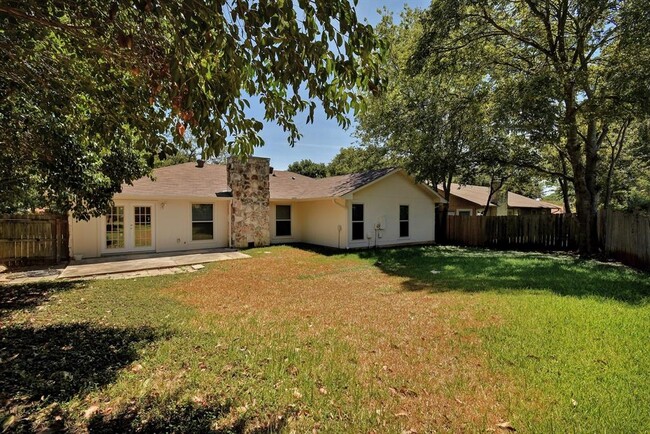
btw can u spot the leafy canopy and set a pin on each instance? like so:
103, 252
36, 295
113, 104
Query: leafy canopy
92, 91
309, 168
565, 73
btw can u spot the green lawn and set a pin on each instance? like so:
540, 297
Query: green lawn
417, 339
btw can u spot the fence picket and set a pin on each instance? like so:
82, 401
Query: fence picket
623, 236
33, 239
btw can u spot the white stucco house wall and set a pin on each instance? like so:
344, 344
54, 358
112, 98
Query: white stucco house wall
242, 204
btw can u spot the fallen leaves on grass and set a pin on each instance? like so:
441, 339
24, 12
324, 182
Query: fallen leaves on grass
409, 341
91, 411
506, 426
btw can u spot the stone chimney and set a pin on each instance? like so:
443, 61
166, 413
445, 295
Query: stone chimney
249, 218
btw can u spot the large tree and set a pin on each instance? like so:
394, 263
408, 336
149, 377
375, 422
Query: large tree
91, 91
582, 61
428, 123
355, 159
309, 168
435, 118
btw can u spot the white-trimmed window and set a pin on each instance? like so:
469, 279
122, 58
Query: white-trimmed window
403, 221
357, 221
464, 212
202, 222
283, 220
115, 227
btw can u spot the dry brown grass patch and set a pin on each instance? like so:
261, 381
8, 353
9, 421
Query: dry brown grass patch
418, 348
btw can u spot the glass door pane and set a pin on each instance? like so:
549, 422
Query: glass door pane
142, 226
115, 228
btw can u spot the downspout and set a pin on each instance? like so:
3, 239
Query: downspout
339, 227
230, 224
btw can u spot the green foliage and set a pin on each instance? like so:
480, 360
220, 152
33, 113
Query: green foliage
562, 76
97, 89
351, 159
630, 181
309, 168
438, 120
354, 159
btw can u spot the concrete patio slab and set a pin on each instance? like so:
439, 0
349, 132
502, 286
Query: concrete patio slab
152, 261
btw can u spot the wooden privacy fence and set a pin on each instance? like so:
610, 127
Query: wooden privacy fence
33, 239
623, 236
626, 237
545, 232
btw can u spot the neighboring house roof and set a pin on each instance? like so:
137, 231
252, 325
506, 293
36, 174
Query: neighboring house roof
479, 194
472, 193
188, 180
518, 201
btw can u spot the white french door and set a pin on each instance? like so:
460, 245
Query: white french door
129, 228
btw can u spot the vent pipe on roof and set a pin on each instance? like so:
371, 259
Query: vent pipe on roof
200, 163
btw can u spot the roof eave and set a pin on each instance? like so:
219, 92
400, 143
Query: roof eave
303, 199
122, 196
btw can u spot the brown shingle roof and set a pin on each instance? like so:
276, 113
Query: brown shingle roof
473, 193
187, 180
181, 180
478, 194
518, 201
288, 185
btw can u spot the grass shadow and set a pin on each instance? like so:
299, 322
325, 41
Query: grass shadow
186, 418
328, 251
14, 297
41, 366
153, 416
449, 268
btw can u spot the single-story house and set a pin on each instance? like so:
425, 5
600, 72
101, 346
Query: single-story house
242, 204
470, 200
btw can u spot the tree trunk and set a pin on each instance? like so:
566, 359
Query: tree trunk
583, 176
444, 210
493, 191
564, 186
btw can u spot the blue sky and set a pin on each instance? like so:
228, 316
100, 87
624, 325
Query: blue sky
322, 139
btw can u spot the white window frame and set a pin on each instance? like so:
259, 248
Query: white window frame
290, 220
408, 221
352, 222
192, 221
104, 247
458, 211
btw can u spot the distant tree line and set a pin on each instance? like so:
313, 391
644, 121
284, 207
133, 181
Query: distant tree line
352, 159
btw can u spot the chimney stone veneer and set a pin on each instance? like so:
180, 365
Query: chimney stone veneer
250, 214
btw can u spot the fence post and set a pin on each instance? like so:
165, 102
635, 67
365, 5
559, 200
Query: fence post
58, 241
